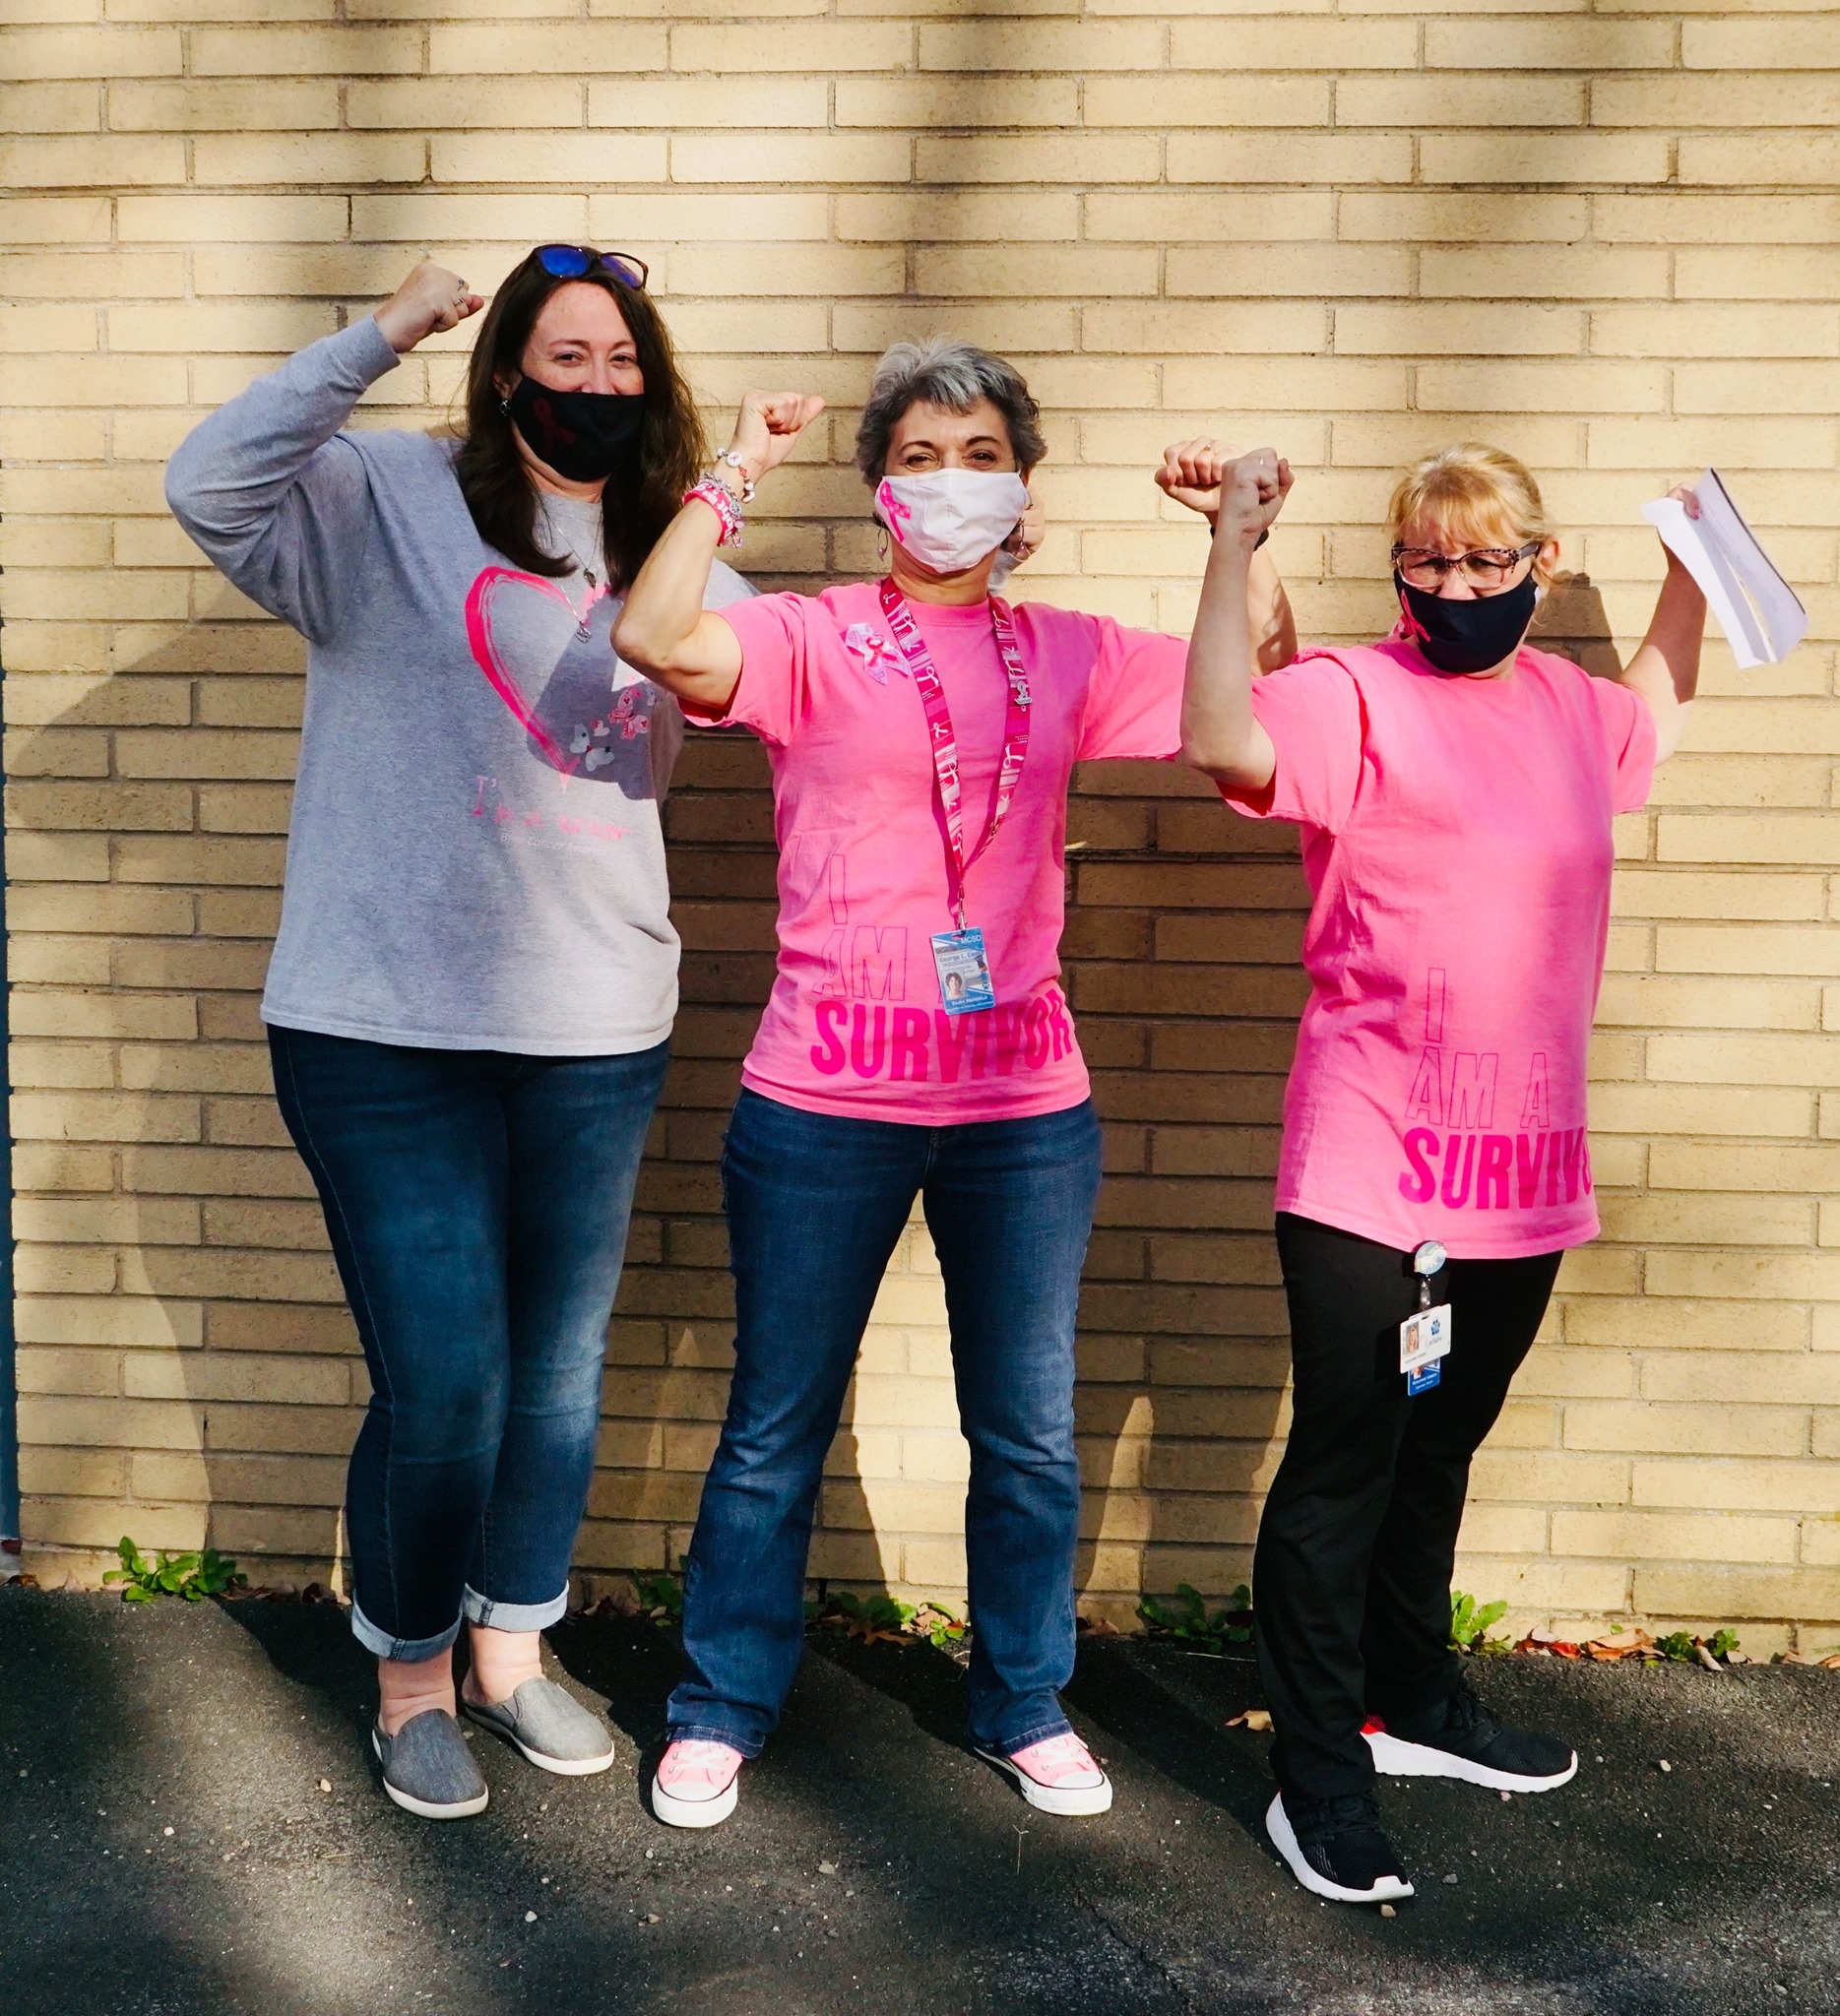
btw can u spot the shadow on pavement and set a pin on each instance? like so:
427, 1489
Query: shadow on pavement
874, 1864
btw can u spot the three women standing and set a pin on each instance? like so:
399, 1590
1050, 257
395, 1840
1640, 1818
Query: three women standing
472, 994
475, 977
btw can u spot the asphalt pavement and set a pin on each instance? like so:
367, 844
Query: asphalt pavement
166, 1848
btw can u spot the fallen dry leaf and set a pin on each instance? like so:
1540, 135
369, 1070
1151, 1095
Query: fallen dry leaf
1258, 1719
1545, 1641
1621, 1645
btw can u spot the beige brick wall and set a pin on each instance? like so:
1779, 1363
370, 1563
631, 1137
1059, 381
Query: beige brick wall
1606, 237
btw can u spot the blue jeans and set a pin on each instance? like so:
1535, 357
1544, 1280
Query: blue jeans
815, 1204
477, 1204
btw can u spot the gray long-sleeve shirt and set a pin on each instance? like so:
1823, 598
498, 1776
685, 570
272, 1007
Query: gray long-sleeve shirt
474, 859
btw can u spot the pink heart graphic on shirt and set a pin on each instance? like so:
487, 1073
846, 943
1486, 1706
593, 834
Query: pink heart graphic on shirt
491, 583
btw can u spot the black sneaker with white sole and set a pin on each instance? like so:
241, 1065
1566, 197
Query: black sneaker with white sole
1460, 1738
1335, 1847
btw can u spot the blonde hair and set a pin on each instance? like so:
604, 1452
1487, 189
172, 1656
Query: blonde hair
1472, 492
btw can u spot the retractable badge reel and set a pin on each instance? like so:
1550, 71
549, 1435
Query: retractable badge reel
1425, 1335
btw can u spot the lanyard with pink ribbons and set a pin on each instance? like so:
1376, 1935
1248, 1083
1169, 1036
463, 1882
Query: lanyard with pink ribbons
939, 728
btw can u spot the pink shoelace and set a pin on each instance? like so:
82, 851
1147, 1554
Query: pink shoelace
1057, 1759
694, 1759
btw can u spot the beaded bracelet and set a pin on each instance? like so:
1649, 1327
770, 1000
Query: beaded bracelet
714, 492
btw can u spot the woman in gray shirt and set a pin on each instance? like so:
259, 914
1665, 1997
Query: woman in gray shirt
472, 989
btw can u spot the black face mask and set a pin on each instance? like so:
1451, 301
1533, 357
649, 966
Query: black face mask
1468, 636
581, 436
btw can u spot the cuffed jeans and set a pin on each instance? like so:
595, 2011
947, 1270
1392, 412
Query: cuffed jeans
815, 1206
1351, 1582
477, 1204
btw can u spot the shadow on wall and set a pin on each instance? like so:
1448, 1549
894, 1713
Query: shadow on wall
1181, 958
1572, 623
240, 1384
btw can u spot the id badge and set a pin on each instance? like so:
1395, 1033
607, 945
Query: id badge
1423, 1339
1425, 1378
964, 971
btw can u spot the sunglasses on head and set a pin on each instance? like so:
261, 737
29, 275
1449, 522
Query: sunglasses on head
571, 262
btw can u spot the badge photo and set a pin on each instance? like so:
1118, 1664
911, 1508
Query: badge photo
965, 983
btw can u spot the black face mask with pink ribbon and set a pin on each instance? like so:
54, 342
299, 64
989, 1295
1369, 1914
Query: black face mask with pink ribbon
582, 435
1467, 636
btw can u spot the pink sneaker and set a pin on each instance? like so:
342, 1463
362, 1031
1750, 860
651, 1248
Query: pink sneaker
695, 1785
1058, 1776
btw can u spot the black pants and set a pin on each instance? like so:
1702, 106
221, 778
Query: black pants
1351, 1577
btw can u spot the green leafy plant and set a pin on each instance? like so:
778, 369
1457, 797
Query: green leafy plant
661, 1594
940, 1627
1190, 1618
1470, 1622
189, 1576
886, 1619
869, 1617
1685, 1647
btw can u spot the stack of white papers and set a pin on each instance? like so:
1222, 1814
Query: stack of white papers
1762, 615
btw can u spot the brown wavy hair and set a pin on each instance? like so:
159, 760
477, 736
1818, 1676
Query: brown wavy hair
640, 498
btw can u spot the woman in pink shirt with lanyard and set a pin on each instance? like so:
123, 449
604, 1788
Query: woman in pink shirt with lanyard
1455, 790
922, 735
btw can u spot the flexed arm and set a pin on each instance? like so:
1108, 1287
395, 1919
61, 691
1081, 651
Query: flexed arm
263, 485
1221, 735
663, 630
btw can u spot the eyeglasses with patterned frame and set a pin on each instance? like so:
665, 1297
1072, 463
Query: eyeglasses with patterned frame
1486, 567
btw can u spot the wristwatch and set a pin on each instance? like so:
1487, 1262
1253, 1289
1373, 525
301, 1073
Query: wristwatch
734, 462
1214, 528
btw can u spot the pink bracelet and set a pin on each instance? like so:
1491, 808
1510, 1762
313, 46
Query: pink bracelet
714, 492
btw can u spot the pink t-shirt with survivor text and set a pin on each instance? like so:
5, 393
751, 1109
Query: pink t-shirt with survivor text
854, 1025
1457, 838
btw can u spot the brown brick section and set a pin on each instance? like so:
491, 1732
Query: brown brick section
1605, 236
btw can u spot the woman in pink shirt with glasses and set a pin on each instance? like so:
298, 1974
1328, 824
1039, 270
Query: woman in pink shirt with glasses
1455, 789
922, 735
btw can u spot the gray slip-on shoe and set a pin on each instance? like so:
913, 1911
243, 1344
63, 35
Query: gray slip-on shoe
427, 1768
551, 1726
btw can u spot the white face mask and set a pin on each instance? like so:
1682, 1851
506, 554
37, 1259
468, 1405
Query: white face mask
949, 519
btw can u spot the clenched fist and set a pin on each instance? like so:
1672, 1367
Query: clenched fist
769, 425
429, 299
1242, 494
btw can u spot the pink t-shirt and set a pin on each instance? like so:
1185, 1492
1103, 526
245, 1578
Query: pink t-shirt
1457, 838
854, 1025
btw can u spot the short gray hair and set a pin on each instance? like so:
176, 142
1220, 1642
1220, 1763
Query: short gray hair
945, 372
